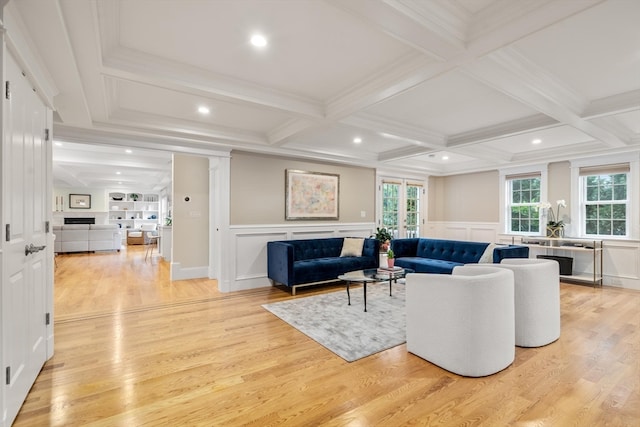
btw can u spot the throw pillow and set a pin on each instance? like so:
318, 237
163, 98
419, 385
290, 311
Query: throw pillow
352, 246
487, 256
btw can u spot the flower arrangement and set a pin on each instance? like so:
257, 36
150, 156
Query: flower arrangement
554, 220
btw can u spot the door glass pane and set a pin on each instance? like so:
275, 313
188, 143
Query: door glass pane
390, 205
413, 210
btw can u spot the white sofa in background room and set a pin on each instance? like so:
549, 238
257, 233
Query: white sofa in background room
87, 237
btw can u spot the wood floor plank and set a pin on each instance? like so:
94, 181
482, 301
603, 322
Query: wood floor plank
133, 348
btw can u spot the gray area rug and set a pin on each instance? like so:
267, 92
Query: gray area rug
345, 329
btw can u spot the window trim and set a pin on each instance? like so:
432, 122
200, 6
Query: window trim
508, 198
578, 193
507, 173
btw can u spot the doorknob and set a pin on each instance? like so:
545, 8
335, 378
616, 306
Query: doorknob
31, 249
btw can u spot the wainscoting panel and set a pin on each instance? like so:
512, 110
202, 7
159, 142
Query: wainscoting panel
247, 247
310, 234
621, 263
248, 244
251, 254
475, 232
483, 234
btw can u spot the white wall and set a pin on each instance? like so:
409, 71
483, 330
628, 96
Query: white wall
190, 234
98, 199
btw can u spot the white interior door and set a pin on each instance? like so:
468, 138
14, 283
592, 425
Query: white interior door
26, 255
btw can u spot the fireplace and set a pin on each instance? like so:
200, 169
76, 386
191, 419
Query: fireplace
79, 220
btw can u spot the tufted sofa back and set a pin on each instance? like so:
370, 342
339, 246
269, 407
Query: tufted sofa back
326, 248
450, 250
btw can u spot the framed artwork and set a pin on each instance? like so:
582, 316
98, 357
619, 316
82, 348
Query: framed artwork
80, 201
311, 195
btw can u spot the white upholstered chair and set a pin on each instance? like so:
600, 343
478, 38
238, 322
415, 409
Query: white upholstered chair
463, 322
537, 300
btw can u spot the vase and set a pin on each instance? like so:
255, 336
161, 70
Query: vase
555, 231
390, 262
383, 259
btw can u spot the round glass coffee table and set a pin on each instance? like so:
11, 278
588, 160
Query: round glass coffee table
372, 275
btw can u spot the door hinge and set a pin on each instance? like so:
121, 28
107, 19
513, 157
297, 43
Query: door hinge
8, 375
47, 319
46, 226
7, 232
7, 92
46, 134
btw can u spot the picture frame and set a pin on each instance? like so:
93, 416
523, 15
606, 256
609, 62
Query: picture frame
311, 195
79, 201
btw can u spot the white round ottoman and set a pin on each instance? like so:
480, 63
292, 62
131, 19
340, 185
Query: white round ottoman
537, 300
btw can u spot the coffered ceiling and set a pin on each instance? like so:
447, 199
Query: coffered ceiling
431, 87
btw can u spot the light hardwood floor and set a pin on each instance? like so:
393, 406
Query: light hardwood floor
133, 349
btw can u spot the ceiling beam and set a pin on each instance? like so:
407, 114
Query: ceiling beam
512, 74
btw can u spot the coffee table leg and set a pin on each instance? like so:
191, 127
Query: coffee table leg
348, 295
390, 280
365, 296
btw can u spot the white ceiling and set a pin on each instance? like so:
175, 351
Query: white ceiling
473, 80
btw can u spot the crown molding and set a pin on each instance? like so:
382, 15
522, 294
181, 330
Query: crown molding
397, 130
514, 127
614, 104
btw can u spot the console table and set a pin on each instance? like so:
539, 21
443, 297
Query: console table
573, 246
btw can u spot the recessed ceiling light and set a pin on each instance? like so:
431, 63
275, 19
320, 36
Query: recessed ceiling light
445, 157
119, 182
59, 144
128, 151
357, 140
203, 110
118, 173
536, 141
258, 40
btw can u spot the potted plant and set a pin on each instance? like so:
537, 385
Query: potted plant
384, 237
134, 197
391, 258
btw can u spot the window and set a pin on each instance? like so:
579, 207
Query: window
523, 206
605, 203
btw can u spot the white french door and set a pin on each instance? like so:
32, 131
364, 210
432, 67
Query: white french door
401, 207
25, 311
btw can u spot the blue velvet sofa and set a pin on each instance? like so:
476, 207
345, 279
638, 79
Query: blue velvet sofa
441, 256
297, 263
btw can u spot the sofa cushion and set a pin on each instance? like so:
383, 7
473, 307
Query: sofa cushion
426, 265
352, 247
103, 227
321, 269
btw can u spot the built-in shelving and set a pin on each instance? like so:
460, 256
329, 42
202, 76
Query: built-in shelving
131, 210
588, 254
